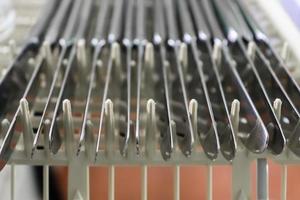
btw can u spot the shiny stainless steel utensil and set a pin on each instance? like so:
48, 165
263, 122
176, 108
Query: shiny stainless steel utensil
226, 134
281, 83
206, 123
21, 80
178, 92
162, 97
250, 77
98, 42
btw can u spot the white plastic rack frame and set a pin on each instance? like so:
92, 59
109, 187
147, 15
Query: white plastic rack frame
276, 23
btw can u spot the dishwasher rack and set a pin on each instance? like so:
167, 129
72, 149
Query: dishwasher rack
78, 163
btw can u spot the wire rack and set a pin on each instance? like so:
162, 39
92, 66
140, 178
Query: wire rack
272, 18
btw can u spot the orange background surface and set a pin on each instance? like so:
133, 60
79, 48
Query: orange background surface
193, 182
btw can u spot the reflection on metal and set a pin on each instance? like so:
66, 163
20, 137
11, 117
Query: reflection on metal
168, 82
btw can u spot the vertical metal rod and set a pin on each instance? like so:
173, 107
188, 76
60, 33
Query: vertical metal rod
262, 179
78, 179
241, 178
46, 182
111, 183
209, 182
12, 182
277, 108
284, 182
144, 182
177, 182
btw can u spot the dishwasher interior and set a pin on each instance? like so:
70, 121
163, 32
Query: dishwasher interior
89, 83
